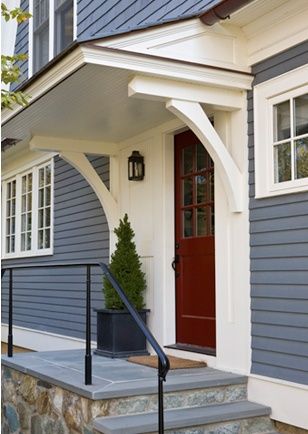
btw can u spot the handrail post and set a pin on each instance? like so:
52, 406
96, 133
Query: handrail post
88, 356
160, 398
10, 332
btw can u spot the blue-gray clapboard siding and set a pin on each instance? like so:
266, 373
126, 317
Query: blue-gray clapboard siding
279, 259
98, 19
53, 300
21, 45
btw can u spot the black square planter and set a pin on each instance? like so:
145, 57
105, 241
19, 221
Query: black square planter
118, 335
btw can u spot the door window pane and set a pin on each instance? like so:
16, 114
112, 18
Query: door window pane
211, 179
301, 115
201, 218
187, 155
301, 158
282, 158
188, 191
282, 128
212, 221
200, 181
201, 157
188, 223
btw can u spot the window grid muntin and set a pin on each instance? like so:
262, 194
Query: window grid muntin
292, 139
207, 205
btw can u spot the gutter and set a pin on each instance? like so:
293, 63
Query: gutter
222, 11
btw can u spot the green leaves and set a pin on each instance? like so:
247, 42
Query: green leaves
10, 71
126, 266
8, 98
14, 14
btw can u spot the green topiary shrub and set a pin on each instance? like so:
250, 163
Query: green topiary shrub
125, 265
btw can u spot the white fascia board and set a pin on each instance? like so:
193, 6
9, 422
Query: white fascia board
161, 89
59, 144
167, 68
139, 63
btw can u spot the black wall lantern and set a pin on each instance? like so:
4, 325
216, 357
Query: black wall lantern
135, 167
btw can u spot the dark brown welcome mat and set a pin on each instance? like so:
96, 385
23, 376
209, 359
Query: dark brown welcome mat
175, 362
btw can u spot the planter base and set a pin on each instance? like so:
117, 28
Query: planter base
120, 354
118, 335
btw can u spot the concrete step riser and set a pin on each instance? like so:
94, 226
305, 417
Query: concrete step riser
179, 399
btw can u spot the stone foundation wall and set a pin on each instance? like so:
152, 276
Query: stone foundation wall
31, 406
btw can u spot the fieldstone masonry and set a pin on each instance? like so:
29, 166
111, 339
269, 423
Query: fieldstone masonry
33, 406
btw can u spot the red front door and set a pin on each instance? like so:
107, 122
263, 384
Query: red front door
194, 243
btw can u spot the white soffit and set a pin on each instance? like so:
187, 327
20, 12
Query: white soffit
92, 104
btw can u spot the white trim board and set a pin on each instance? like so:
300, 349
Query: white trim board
278, 89
38, 340
287, 400
135, 62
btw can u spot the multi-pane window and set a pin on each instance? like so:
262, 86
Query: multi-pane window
53, 29
40, 33
291, 139
63, 24
10, 215
28, 212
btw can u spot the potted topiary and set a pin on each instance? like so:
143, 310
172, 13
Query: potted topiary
117, 333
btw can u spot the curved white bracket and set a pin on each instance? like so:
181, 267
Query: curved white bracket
80, 162
195, 118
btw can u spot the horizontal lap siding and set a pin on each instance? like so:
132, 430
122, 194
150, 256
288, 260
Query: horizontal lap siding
21, 45
279, 260
53, 300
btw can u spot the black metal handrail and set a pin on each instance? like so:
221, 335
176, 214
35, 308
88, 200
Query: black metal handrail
163, 361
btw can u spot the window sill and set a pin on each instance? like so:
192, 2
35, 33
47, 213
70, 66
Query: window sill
45, 252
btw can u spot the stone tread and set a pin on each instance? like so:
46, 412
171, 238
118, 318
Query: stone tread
113, 378
180, 418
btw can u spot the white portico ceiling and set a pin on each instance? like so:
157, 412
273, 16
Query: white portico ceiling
91, 104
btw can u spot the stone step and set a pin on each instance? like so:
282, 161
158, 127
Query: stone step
244, 416
207, 395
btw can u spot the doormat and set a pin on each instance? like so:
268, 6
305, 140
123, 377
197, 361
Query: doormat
175, 362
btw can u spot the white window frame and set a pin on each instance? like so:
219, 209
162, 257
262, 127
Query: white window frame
35, 251
266, 95
51, 53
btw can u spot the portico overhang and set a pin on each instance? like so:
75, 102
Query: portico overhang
95, 97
